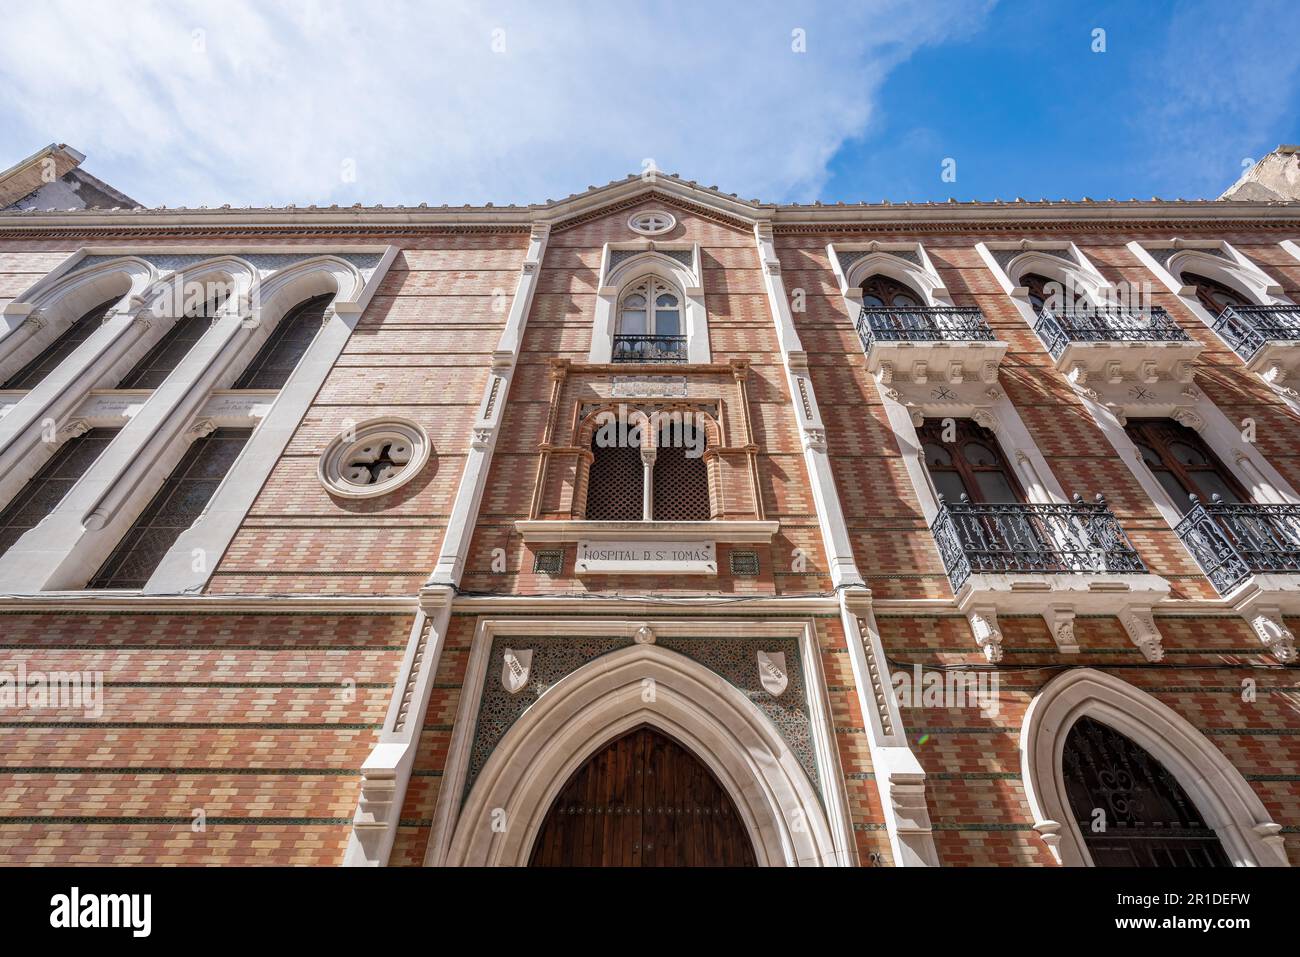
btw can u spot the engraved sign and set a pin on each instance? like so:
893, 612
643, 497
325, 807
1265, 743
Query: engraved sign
657, 558
648, 386
515, 668
772, 673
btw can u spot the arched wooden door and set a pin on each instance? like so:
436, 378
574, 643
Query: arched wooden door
1148, 819
643, 801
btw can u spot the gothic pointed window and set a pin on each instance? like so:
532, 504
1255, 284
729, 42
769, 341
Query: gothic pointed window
1214, 295
31, 374
1130, 810
174, 509
279, 355
1041, 290
650, 326
48, 487
882, 292
1182, 463
159, 362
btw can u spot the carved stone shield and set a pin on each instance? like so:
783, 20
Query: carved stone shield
772, 673
515, 669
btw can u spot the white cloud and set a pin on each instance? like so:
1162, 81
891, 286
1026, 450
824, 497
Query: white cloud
266, 104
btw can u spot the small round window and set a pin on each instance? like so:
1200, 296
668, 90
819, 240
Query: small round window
653, 222
373, 458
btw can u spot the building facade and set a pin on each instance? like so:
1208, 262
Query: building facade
648, 526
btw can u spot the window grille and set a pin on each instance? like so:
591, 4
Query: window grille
615, 484
548, 562
31, 374
47, 488
179, 502
681, 486
744, 564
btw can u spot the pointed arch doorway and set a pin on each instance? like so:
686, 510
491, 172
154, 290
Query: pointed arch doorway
643, 800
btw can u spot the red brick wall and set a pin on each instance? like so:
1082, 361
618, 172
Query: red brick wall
250, 718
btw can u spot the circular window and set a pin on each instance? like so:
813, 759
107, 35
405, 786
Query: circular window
373, 458
653, 222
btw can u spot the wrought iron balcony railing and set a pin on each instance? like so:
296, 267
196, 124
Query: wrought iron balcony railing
936, 324
649, 349
1081, 537
1247, 329
1059, 328
1232, 541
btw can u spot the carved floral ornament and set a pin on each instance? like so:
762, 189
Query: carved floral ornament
373, 458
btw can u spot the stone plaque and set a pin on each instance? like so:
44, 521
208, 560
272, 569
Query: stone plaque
648, 386
653, 558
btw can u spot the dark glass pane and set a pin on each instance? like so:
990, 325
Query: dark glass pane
1169, 482
183, 496
159, 362
47, 488
872, 302
1210, 484
995, 488
978, 454
949, 485
36, 370
278, 357
937, 455
1187, 455
1150, 456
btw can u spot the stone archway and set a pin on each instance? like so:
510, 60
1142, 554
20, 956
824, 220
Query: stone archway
643, 685
1229, 805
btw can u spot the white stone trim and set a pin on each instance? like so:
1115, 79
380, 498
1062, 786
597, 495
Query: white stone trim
1224, 798
602, 700
389, 763
650, 261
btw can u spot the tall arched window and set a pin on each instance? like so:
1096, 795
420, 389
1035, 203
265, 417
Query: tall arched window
30, 375
275, 361
1130, 810
166, 355
1214, 295
650, 326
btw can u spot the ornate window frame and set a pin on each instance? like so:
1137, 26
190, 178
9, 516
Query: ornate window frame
623, 265
1222, 795
331, 466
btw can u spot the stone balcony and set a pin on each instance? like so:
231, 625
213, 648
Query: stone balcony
1114, 344
936, 343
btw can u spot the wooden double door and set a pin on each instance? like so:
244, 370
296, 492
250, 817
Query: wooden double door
643, 801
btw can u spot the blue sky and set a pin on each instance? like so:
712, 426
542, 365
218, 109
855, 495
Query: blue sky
192, 102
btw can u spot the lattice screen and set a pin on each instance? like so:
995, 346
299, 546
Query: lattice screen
681, 486
614, 484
